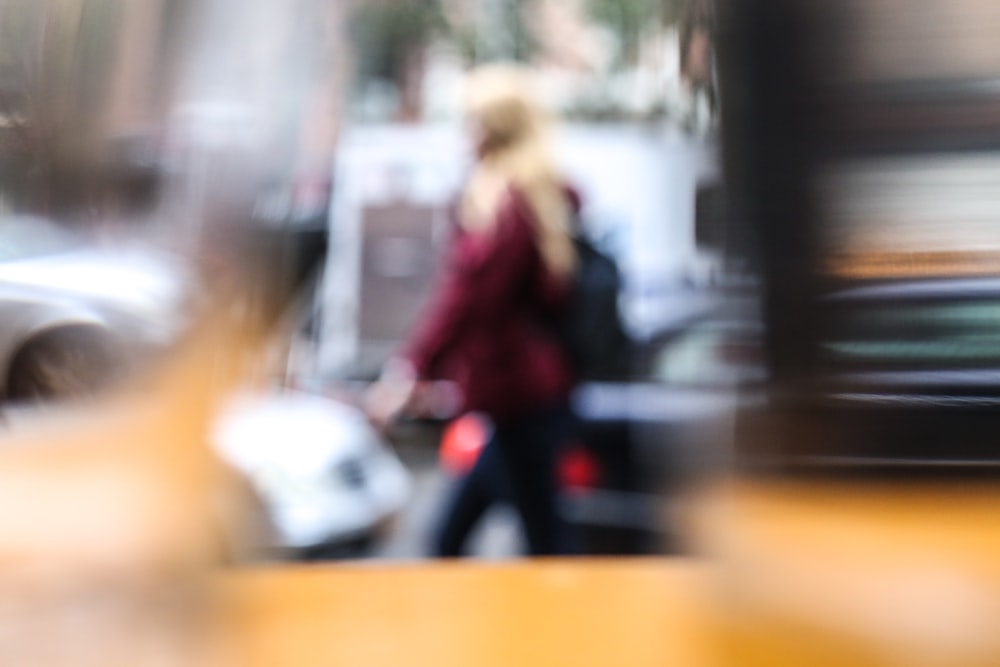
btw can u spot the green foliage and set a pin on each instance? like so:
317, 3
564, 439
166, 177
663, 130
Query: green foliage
508, 37
630, 20
386, 32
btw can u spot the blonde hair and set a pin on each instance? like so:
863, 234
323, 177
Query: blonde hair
515, 152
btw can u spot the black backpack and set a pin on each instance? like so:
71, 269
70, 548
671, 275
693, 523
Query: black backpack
591, 328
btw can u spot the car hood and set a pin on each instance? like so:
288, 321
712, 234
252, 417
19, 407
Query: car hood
259, 429
291, 446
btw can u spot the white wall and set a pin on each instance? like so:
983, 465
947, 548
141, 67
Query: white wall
638, 186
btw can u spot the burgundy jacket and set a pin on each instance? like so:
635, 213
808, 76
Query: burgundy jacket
485, 327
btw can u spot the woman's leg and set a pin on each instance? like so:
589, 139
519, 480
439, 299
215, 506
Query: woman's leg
473, 496
530, 448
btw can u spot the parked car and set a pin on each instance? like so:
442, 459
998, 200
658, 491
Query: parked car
665, 428
643, 438
910, 374
330, 482
75, 314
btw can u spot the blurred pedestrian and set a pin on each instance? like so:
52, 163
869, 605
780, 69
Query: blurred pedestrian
492, 321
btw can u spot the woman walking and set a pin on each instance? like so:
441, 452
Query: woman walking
490, 324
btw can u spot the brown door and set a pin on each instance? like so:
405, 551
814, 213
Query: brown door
398, 264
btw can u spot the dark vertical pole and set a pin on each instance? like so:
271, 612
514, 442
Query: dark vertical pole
771, 141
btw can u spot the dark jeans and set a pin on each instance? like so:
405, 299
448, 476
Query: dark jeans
518, 465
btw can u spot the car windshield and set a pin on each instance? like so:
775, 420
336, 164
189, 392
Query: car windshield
712, 354
25, 238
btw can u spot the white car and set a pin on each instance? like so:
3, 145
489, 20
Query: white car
329, 481
72, 311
